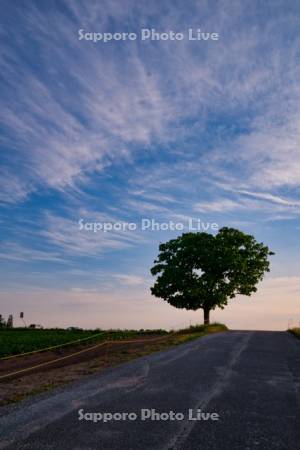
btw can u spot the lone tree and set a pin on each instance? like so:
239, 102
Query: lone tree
199, 270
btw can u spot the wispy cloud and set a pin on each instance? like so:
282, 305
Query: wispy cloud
263, 202
221, 205
65, 234
130, 280
96, 115
16, 252
271, 198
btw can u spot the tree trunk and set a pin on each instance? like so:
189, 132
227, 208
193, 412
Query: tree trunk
206, 316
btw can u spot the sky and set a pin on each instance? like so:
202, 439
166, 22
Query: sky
105, 134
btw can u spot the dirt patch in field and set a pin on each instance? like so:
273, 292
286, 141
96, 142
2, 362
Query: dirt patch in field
67, 355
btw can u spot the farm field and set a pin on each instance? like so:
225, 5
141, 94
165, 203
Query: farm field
15, 341
42, 371
295, 331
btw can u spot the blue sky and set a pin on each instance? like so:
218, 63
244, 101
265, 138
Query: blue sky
126, 130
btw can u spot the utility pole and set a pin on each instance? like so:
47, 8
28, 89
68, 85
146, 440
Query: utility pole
10, 321
22, 317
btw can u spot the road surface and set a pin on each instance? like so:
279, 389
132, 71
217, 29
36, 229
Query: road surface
247, 380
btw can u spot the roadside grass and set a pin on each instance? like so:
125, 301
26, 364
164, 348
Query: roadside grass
205, 329
295, 332
15, 398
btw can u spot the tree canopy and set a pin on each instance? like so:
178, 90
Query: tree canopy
200, 270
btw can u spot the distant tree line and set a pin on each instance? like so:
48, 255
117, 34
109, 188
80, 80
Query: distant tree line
9, 323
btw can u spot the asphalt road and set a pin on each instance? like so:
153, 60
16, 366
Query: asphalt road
249, 379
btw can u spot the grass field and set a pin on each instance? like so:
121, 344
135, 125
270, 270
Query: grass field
21, 340
295, 331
